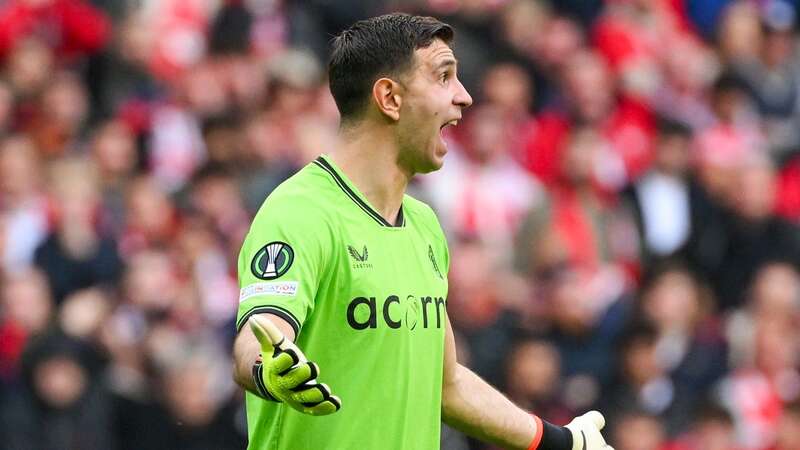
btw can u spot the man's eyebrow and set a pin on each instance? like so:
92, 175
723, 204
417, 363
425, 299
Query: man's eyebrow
446, 63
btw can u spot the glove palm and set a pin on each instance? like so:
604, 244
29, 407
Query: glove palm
286, 375
585, 431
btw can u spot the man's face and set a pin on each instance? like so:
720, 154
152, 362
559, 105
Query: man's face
433, 99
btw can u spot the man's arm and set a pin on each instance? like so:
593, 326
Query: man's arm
474, 407
246, 350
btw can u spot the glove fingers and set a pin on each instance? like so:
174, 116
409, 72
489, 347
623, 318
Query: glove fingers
267, 333
271, 338
301, 374
329, 406
283, 361
313, 394
596, 418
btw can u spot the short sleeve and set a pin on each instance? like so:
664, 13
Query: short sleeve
280, 265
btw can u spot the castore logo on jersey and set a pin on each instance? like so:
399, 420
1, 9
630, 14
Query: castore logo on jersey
359, 259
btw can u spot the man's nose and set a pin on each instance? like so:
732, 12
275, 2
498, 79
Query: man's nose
462, 97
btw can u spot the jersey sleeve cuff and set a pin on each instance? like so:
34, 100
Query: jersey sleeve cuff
284, 314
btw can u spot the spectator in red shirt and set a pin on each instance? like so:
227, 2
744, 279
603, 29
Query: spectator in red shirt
638, 430
711, 429
789, 429
72, 27
626, 126
757, 394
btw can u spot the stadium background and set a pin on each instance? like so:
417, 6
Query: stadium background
621, 203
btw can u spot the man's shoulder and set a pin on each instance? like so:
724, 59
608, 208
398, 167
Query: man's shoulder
421, 214
303, 200
306, 192
415, 207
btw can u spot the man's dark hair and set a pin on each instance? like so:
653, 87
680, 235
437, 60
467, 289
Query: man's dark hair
711, 411
673, 128
728, 82
640, 332
377, 47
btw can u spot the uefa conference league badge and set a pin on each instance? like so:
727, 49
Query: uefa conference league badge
272, 260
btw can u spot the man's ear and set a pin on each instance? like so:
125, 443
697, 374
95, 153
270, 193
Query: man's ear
388, 96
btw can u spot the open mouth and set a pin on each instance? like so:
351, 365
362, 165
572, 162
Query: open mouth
453, 122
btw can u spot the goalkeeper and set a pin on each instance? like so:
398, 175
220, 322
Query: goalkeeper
344, 340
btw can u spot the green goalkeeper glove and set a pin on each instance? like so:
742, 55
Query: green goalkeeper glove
284, 374
585, 431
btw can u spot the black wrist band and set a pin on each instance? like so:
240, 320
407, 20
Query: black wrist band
555, 437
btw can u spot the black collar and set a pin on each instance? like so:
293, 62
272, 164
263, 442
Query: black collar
327, 167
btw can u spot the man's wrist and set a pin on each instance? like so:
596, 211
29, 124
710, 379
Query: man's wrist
550, 436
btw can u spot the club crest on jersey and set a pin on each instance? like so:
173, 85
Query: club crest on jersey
359, 259
272, 260
432, 257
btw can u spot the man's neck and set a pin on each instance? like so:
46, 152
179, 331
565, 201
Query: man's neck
369, 158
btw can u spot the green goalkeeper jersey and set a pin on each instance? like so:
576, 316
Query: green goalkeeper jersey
366, 299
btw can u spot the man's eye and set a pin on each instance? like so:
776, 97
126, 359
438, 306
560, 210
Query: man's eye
444, 77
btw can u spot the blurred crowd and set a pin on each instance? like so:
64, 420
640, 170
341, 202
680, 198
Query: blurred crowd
622, 205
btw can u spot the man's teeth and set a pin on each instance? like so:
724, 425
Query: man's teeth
453, 122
